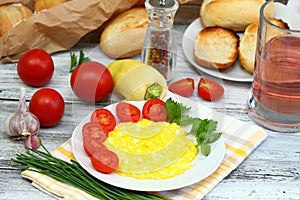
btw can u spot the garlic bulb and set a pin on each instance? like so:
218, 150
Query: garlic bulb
22, 123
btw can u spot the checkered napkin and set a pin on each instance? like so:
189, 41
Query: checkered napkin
240, 140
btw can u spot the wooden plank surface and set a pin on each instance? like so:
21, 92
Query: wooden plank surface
270, 172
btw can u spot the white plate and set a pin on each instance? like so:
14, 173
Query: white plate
203, 167
233, 73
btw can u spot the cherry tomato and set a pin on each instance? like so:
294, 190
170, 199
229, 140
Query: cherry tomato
48, 106
91, 82
105, 161
105, 119
209, 89
154, 110
183, 87
127, 112
35, 67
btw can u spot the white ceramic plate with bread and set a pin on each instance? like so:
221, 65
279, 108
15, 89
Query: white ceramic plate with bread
234, 73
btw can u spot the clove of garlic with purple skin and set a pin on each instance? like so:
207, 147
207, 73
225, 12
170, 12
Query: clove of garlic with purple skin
22, 122
33, 141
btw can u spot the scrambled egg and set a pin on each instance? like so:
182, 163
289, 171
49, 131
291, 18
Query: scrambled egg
151, 150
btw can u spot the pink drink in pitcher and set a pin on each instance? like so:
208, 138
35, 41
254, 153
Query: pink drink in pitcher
276, 84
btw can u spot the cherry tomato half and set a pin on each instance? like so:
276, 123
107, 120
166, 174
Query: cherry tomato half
93, 130
48, 106
209, 89
35, 67
91, 81
92, 146
127, 112
105, 119
105, 161
183, 87
154, 110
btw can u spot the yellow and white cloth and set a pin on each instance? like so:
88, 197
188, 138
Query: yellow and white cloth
240, 140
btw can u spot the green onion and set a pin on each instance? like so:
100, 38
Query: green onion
74, 175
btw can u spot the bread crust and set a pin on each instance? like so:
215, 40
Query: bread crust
232, 14
247, 46
11, 15
123, 37
216, 47
40, 5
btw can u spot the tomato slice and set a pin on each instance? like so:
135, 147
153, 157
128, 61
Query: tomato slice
209, 89
183, 87
127, 112
93, 136
154, 110
94, 131
105, 161
105, 118
92, 147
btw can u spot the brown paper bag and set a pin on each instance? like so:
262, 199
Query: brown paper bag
60, 27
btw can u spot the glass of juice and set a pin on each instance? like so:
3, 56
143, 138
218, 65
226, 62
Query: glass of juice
274, 100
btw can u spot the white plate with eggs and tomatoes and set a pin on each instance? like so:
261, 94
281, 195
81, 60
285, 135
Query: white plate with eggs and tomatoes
200, 167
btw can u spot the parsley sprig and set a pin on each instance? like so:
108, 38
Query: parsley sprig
176, 113
205, 130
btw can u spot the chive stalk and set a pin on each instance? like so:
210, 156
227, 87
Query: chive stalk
73, 174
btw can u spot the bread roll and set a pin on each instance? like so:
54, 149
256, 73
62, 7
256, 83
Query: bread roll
11, 15
232, 14
40, 5
216, 47
124, 36
247, 46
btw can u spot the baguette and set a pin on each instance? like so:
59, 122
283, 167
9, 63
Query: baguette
247, 46
11, 15
232, 14
40, 5
124, 36
216, 47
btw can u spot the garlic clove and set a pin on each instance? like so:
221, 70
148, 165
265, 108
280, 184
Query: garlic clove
32, 124
7, 128
33, 141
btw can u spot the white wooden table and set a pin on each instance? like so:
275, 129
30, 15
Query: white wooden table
270, 172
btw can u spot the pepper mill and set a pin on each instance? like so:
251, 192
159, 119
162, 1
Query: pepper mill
159, 48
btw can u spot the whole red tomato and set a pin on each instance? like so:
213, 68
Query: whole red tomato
35, 67
91, 81
48, 106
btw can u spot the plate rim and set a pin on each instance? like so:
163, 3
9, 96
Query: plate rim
208, 71
144, 185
